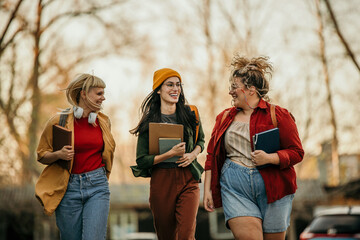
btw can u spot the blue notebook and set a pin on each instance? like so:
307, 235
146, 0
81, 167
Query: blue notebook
165, 144
268, 141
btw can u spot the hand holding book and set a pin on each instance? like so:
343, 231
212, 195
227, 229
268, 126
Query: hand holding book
262, 159
66, 153
179, 149
172, 144
268, 142
62, 145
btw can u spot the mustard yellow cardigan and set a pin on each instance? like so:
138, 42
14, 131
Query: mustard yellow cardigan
52, 183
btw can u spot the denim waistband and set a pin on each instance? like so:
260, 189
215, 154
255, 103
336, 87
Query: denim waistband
98, 171
240, 167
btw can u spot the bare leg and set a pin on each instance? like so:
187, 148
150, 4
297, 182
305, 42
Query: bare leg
246, 228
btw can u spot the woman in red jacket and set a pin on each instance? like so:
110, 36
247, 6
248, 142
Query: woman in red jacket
255, 188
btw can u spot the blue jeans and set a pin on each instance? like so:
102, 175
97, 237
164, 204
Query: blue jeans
83, 211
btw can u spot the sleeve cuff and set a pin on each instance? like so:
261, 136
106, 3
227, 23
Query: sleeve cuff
284, 159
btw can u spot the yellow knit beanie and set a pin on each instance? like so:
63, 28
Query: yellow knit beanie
162, 74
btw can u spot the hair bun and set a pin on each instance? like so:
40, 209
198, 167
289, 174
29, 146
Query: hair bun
253, 72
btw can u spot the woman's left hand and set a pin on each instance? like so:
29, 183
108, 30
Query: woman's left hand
259, 157
186, 159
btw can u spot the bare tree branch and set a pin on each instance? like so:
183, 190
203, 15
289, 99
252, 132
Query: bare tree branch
50, 59
12, 17
3, 46
11, 39
90, 11
44, 5
309, 105
10, 106
341, 36
230, 20
334, 142
70, 65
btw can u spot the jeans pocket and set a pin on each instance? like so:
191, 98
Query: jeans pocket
98, 180
224, 167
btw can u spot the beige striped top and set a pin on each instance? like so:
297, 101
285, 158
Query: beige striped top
237, 143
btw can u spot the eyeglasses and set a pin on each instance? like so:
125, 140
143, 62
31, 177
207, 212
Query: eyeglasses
172, 85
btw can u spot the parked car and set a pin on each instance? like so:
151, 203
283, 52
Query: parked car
341, 223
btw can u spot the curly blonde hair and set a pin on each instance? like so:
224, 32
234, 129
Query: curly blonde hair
252, 72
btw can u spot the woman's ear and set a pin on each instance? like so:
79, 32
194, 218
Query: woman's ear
83, 94
252, 90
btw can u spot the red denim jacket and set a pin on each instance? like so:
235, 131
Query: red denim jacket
280, 180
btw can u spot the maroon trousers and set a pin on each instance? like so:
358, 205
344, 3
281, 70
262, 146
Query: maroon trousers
174, 202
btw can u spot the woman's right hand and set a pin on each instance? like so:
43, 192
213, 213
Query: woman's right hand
178, 149
208, 201
66, 153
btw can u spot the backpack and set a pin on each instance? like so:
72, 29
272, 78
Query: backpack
63, 116
194, 109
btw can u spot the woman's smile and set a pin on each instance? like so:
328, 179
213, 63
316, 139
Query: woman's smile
174, 95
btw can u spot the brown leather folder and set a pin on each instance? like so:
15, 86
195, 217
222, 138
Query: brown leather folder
61, 137
163, 130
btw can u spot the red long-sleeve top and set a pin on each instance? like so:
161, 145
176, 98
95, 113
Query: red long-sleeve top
279, 180
89, 145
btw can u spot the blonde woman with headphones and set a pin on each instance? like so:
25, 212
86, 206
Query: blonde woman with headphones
80, 195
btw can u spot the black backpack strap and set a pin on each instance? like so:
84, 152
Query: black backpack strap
63, 117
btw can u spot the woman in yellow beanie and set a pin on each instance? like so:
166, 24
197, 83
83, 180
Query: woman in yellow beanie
174, 187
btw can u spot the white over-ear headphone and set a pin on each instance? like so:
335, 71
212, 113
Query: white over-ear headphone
78, 112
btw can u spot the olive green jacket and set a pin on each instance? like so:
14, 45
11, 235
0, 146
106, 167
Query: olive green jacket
145, 162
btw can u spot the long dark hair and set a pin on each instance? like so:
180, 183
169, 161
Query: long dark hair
151, 112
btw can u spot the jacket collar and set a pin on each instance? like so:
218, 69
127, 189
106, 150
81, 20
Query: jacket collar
262, 104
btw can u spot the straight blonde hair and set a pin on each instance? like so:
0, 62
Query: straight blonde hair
81, 82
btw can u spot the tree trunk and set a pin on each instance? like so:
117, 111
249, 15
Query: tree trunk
29, 163
210, 62
335, 179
